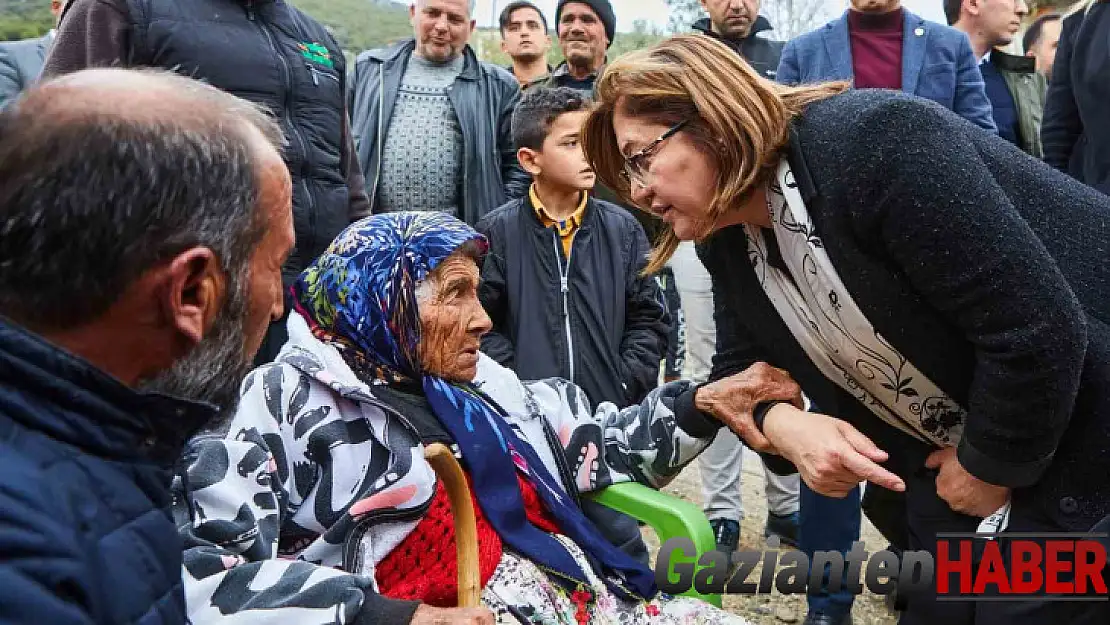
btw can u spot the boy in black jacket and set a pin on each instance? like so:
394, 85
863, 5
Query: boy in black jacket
562, 279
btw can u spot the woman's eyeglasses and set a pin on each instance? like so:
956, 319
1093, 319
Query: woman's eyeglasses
636, 166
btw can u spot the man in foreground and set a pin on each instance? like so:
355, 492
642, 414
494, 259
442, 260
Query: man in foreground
134, 290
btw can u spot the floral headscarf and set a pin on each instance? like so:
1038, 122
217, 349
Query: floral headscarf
360, 294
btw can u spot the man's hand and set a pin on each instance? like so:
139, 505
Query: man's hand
962, 491
428, 615
832, 456
731, 400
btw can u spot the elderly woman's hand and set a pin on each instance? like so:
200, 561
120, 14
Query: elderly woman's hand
832, 456
731, 400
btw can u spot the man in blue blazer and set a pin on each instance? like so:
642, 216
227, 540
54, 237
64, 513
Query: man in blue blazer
877, 43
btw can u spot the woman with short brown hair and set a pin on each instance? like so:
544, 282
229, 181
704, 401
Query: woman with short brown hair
920, 278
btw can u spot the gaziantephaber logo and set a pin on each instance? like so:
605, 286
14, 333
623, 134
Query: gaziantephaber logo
316, 53
967, 567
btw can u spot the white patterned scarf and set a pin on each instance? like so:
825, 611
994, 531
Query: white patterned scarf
821, 314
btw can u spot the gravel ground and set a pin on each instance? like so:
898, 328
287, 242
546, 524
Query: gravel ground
774, 608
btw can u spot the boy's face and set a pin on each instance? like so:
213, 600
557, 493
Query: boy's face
562, 161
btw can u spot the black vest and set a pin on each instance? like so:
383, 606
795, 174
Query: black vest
268, 52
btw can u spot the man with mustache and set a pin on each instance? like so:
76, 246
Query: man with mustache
586, 29
1015, 89
737, 23
135, 287
431, 121
524, 38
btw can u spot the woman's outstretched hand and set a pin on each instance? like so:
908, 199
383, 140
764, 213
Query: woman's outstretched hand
832, 456
731, 400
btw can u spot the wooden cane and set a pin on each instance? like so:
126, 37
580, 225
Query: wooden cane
462, 511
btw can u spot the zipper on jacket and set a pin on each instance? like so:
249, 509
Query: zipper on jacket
317, 73
564, 287
381, 128
287, 115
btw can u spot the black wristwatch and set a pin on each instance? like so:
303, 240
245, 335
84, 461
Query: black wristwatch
759, 414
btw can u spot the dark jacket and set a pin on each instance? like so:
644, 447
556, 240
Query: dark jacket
1076, 130
483, 97
1027, 87
21, 64
983, 266
760, 52
592, 319
265, 51
86, 534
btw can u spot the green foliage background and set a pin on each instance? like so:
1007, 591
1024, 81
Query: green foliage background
356, 24
24, 19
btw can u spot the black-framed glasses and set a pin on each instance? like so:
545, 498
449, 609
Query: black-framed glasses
635, 166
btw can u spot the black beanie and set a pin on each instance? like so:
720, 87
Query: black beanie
604, 10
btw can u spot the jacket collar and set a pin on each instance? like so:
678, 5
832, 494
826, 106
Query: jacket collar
401, 51
66, 398
761, 24
1012, 63
528, 214
794, 154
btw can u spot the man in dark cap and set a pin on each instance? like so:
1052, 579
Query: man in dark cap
586, 29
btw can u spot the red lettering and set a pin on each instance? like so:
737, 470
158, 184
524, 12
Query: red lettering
1090, 559
991, 570
1053, 567
1023, 567
947, 566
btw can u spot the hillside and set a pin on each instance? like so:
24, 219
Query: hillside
356, 24
360, 24
23, 19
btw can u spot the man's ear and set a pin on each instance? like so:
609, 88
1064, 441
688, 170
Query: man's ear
504, 48
529, 160
194, 292
473, 25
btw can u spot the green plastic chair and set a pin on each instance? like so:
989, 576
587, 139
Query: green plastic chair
669, 516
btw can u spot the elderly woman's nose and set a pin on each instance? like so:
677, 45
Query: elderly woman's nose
480, 323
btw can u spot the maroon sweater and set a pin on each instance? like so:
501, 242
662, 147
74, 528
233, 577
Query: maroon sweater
876, 48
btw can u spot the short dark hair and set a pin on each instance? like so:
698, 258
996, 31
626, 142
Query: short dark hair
539, 107
507, 14
1033, 34
952, 10
90, 199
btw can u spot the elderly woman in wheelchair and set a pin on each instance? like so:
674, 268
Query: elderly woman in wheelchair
317, 502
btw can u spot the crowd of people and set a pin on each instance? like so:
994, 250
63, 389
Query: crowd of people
243, 286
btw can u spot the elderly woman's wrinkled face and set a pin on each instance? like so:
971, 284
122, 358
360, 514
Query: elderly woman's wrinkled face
678, 180
452, 320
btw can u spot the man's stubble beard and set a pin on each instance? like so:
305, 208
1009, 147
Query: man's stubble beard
214, 369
